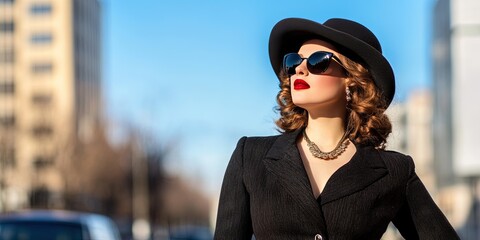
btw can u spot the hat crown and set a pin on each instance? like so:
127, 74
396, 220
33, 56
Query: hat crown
355, 30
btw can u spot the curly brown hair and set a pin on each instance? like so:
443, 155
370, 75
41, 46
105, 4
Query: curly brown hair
366, 119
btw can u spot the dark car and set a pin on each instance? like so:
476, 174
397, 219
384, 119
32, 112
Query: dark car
56, 225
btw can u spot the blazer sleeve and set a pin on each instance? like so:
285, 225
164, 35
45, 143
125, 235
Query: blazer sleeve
420, 217
233, 218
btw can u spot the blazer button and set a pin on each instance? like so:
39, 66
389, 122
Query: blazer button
318, 237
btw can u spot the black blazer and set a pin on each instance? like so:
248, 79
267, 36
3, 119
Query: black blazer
266, 192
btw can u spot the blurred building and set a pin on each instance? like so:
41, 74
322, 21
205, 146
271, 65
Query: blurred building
412, 135
456, 46
50, 85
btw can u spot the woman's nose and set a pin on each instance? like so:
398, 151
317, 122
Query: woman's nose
302, 68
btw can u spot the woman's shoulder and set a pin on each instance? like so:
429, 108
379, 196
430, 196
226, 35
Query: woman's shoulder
395, 155
257, 142
261, 139
397, 161
255, 146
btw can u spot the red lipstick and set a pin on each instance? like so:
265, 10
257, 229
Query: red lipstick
300, 84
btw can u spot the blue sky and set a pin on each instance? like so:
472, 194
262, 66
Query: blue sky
197, 73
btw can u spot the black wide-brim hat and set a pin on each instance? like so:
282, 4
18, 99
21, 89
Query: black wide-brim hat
351, 39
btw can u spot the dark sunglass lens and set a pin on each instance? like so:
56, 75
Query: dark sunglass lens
318, 62
290, 62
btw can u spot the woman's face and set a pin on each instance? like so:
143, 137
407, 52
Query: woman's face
317, 91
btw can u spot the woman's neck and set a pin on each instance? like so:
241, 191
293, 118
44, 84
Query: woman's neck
325, 131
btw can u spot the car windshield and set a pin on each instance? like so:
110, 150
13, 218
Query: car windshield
40, 231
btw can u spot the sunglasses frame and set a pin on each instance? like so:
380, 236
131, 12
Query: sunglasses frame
310, 67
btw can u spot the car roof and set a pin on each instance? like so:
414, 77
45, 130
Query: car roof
51, 216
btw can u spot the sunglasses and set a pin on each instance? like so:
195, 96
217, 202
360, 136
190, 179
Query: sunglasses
317, 63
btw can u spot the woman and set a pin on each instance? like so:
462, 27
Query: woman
327, 176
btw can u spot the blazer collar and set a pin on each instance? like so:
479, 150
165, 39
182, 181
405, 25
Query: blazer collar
365, 168
284, 162
283, 143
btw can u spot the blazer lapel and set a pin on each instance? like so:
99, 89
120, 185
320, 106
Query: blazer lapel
283, 160
365, 167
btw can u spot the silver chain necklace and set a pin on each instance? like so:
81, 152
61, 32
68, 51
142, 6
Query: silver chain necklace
316, 152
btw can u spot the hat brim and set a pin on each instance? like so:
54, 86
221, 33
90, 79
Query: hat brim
289, 34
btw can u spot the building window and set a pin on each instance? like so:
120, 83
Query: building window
39, 68
41, 99
41, 38
7, 56
42, 131
41, 162
7, 121
7, 26
7, 88
41, 9
7, 158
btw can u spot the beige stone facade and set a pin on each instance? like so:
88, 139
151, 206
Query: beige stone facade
50, 80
